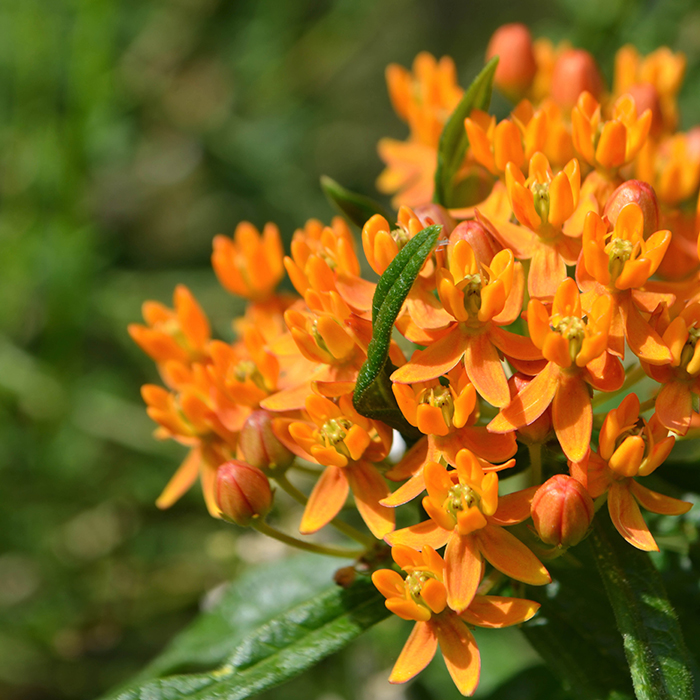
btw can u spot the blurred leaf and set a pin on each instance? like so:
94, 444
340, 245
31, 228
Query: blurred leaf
373, 396
275, 651
453, 140
658, 658
357, 207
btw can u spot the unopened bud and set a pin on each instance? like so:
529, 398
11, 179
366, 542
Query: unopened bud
575, 71
512, 43
430, 214
641, 194
646, 96
562, 511
260, 446
242, 492
538, 431
484, 245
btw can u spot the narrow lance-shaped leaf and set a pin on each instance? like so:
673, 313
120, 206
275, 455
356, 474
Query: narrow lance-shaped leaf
357, 207
453, 140
656, 652
373, 396
278, 650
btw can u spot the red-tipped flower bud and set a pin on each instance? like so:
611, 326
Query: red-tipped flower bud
484, 245
260, 446
512, 43
562, 511
242, 492
646, 96
640, 193
575, 71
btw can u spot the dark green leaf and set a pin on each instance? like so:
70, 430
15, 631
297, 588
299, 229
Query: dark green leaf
373, 396
653, 641
277, 650
453, 140
357, 207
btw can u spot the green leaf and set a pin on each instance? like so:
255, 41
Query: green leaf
653, 641
277, 650
373, 396
357, 207
453, 140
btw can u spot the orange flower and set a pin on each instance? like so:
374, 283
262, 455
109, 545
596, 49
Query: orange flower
480, 298
575, 345
346, 443
618, 264
179, 335
544, 204
681, 378
608, 145
250, 265
421, 596
466, 515
425, 99
629, 446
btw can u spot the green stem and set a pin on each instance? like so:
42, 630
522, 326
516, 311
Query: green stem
646, 405
337, 523
535, 451
342, 552
634, 375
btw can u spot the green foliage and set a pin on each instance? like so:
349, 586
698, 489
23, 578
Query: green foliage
357, 207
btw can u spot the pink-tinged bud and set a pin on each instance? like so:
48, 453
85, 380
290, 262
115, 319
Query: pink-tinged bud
646, 97
512, 43
692, 143
430, 214
260, 446
242, 492
574, 72
539, 430
562, 511
484, 245
640, 193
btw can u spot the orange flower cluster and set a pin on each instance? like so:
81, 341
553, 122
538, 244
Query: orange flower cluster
575, 278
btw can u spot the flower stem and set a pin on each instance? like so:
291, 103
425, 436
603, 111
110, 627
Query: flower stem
342, 552
338, 524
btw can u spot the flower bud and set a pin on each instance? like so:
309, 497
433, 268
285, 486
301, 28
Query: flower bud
260, 446
538, 431
484, 245
640, 193
430, 214
574, 72
512, 43
646, 96
562, 511
242, 492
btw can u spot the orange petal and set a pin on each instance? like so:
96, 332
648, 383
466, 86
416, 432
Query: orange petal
406, 492
460, 652
389, 583
182, 480
485, 371
369, 488
627, 518
509, 555
657, 502
463, 566
643, 340
420, 535
497, 611
326, 500
572, 417
529, 404
547, 272
674, 407
416, 654
513, 508
436, 360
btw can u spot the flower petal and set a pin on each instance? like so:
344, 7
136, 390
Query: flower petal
463, 566
460, 652
572, 417
326, 500
369, 488
427, 533
674, 407
437, 359
657, 502
485, 371
509, 555
499, 611
416, 654
181, 480
627, 518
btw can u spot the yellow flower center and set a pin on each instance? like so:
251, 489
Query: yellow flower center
247, 370
334, 432
573, 329
470, 286
400, 236
461, 497
688, 351
540, 190
619, 252
441, 397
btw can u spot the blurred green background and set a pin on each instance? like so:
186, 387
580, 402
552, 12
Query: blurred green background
130, 134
